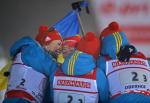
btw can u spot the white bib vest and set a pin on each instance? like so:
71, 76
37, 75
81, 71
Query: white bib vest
72, 89
128, 77
24, 78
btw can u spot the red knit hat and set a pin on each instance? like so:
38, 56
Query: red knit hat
45, 36
90, 44
112, 27
72, 41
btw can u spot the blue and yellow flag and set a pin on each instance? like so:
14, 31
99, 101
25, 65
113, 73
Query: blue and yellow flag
69, 25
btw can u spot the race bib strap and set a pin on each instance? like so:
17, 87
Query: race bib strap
75, 89
19, 94
23, 78
128, 77
133, 91
25, 82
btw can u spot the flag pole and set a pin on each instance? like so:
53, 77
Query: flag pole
77, 7
81, 25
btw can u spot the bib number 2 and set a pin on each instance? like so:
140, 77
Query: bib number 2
135, 77
71, 99
22, 82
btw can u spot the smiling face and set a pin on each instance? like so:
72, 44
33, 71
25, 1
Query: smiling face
54, 46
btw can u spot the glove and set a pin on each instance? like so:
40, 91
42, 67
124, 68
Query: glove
126, 52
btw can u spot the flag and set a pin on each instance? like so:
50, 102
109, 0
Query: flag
69, 25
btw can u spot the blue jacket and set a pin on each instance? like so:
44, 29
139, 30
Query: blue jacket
109, 47
84, 64
33, 55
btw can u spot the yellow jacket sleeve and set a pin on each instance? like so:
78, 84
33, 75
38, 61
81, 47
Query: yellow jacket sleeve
4, 79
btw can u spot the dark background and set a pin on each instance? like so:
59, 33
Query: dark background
23, 17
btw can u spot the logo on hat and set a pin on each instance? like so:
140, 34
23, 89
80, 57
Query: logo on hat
47, 39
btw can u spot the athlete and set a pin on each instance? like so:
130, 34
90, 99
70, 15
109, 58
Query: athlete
33, 63
127, 70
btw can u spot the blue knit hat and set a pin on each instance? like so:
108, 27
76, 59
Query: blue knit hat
112, 39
